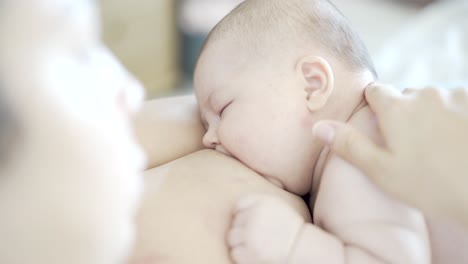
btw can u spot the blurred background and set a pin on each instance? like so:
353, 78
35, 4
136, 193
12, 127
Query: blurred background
159, 40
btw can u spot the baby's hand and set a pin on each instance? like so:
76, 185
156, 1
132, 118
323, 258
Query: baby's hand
263, 231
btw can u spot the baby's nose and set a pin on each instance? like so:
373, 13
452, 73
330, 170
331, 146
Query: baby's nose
210, 139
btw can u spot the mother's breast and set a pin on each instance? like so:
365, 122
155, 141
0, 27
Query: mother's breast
187, 208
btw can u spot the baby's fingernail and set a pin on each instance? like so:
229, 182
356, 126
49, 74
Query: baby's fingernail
325, 132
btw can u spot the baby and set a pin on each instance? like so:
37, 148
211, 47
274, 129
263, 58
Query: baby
267, 73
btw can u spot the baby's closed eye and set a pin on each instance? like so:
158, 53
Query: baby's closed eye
223, 109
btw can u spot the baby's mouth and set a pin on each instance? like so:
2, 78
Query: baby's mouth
221, 149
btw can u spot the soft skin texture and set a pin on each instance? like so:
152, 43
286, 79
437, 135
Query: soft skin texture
359, 223
206, 185
71, 182
425, 135
447, 238
161, 122
169, 128
260, 110
257, 102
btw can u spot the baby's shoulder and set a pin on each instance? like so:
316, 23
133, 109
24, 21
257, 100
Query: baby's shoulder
344, 191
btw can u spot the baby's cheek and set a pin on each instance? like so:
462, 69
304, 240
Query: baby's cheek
247, 144
256, 157
238, 145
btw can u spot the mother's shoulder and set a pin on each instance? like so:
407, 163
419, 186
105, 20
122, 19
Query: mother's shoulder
212, 174
208, 164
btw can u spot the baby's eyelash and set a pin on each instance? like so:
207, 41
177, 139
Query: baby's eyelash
224, 108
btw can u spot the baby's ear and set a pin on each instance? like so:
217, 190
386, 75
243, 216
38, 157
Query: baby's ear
317, 80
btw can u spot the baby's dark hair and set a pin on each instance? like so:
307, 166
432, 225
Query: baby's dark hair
263, 23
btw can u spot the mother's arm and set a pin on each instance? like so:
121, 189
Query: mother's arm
169, 128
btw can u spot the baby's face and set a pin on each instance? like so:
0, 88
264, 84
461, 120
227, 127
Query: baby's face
70, 190
253, 112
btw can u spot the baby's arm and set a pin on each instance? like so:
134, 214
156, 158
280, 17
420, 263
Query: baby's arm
169, 128
368, 221
266, 230
315, 245
352, 208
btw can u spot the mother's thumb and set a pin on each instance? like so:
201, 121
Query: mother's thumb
350, 144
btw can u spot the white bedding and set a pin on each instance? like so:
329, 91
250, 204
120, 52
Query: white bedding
412, 47
431, 50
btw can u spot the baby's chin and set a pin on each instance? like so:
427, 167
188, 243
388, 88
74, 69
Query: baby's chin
224, 151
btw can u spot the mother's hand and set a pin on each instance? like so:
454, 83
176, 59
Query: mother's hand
424, 161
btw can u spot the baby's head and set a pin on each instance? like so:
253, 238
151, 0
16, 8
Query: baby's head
69, 165
268, 72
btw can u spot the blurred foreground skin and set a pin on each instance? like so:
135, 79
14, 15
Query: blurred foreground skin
70, 183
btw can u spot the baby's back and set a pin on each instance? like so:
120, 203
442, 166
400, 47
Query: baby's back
352, 208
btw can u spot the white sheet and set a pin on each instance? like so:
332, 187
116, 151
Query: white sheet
431, 50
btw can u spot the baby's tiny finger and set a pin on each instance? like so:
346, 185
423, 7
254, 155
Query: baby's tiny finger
240, 255
236, 237
241, 219
246, 202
